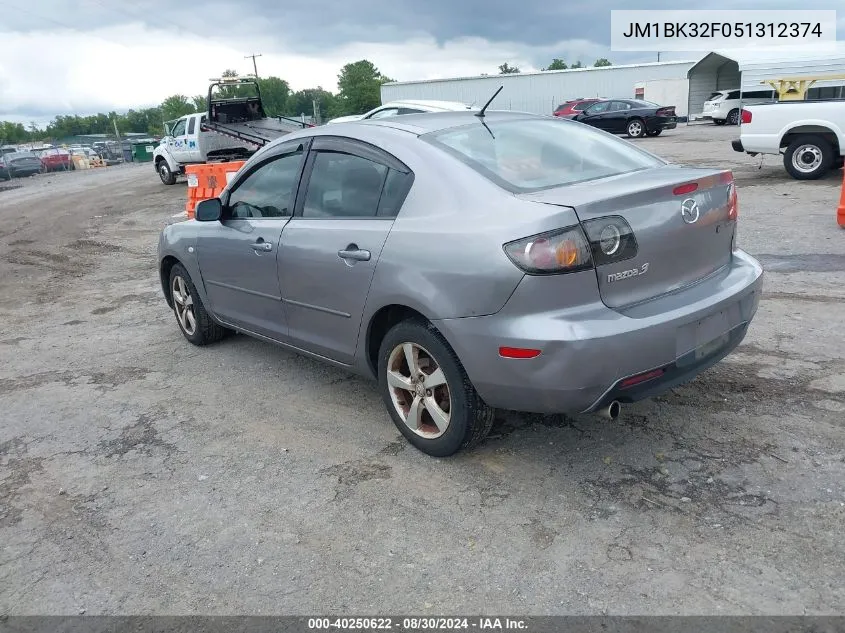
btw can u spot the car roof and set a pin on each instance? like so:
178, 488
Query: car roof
429, 103
436, 121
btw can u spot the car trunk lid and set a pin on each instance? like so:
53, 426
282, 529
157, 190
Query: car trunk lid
680, 220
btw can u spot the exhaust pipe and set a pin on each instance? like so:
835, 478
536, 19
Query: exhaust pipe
611, 411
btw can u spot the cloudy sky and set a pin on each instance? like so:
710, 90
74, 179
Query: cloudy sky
85, 56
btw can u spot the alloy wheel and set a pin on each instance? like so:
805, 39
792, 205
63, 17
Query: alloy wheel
419, 390
183, 303
635, 128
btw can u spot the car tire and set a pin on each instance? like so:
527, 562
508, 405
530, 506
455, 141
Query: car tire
719, 121
653, 132
468, 419
165, 173
733, 117
635, 128
808, 157
193, 319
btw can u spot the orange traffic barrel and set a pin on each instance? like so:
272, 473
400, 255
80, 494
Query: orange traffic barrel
208, 181
840, 211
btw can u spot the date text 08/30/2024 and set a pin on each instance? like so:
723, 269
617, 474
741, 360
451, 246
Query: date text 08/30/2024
416, 624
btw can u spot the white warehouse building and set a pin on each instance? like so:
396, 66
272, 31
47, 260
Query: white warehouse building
542, 91
683, 84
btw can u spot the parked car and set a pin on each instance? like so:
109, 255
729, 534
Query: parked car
467, 263
633, 117
569, 109
56, 159
19, 165
8, 149
394, 108
809, 134
723, 106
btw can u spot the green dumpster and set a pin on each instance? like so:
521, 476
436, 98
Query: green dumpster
143, 152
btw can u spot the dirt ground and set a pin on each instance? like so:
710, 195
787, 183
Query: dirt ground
139, 474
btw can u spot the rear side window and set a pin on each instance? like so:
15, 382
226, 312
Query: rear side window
533, 154
578, 107
343, 186
191, 123
732, 95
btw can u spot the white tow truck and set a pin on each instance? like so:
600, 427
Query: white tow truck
809, 134
234, 127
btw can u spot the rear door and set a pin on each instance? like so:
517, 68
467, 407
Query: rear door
330, 249
617, 117
193, 154
238, 255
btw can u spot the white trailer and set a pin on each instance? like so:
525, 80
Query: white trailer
666, 92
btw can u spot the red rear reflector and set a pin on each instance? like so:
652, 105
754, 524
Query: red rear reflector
746, 116
639, 378
518, 352
682, 189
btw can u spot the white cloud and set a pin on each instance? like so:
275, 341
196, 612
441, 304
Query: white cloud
131, 66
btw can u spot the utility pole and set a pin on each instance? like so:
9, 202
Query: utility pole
254, 66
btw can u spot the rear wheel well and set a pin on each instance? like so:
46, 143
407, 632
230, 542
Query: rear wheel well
380, 325
814, 130
166, 266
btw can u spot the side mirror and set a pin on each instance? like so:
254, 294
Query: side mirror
209, 210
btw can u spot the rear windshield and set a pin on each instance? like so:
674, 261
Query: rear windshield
533, 154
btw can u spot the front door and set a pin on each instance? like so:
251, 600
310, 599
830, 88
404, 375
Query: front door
238, 255
596, 115
177, 144
331, 247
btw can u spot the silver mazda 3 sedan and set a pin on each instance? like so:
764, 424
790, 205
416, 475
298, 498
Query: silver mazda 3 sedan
469, 263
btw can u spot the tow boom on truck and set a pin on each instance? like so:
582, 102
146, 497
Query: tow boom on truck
234, 127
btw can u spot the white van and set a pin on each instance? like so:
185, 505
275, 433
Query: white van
723, 105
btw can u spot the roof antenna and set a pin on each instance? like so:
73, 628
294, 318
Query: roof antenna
480, 113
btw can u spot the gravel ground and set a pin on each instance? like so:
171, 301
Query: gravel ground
139, 474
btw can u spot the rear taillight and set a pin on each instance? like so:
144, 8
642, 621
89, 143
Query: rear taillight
746, 116
555, 252
666, 111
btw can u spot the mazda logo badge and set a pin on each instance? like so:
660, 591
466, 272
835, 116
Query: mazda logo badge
689, 211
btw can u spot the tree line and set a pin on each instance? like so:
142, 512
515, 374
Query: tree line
359, 90
557, 64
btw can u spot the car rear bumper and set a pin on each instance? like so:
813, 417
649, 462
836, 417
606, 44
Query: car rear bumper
589, 351
737, 145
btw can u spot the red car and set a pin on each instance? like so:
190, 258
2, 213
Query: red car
569, 109
55, 160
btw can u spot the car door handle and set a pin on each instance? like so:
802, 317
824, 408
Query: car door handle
261, 245
354, 253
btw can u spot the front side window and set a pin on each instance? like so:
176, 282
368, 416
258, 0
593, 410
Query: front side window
268, 191
533, 154
343, 186
179, 128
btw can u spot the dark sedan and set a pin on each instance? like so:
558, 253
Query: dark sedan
629, 116
19, 164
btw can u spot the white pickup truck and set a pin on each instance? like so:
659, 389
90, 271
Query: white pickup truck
809, 134
235, 126
187, 143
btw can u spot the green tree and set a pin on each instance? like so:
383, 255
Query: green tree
12, 133
302, 102
200, 102
359, 85
274, 95
557, 64
603, 61
507, 69
175, 106
577, 64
